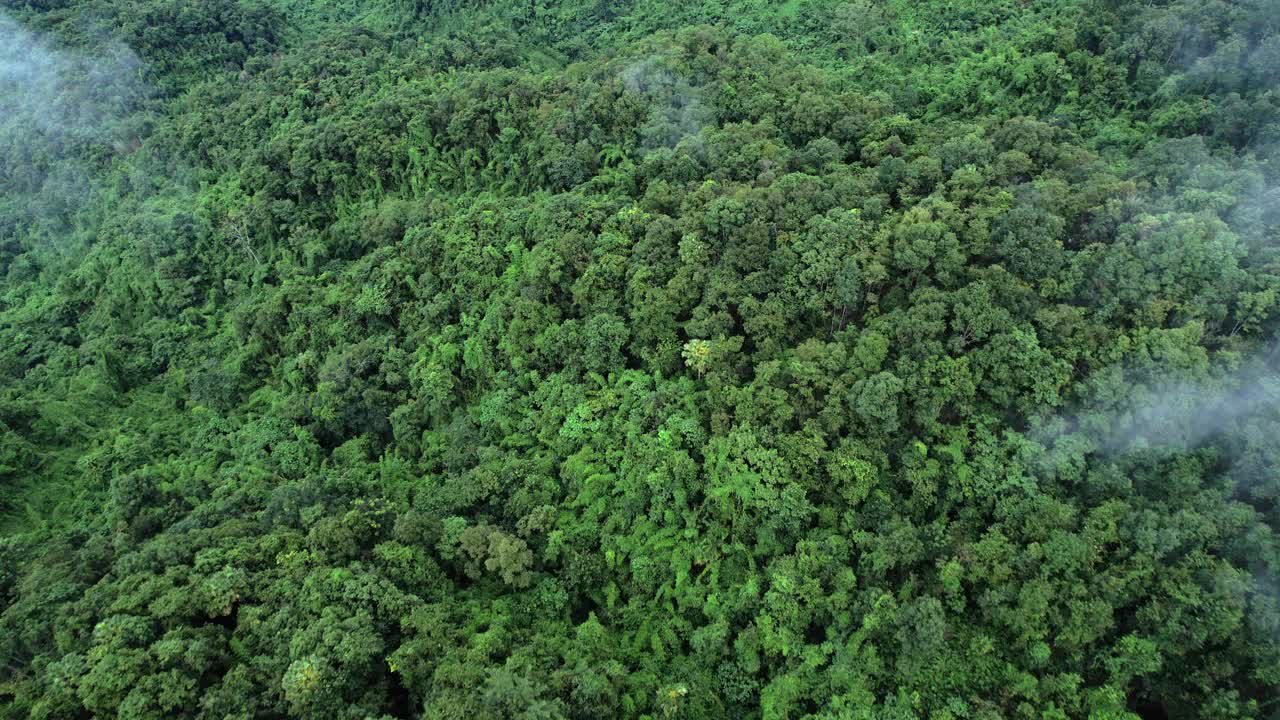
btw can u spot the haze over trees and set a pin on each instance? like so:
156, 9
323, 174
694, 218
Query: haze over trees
565, 360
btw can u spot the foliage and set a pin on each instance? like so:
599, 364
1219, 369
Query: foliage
720, 359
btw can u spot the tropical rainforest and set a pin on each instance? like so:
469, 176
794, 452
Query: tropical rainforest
717, 359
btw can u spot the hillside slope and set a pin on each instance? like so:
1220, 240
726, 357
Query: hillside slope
757, 359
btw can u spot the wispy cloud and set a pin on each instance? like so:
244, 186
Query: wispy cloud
62, 112
677, 109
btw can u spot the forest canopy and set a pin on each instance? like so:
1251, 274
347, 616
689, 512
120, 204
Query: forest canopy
766, 359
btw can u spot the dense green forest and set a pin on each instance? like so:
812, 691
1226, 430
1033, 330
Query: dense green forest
840, 360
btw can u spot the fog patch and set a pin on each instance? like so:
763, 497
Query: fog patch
64, 114
677, 110
1181, 415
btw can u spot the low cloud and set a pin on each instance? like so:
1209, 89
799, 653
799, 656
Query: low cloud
63, 113
676, 108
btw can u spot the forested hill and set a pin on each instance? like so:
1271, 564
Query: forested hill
821, 360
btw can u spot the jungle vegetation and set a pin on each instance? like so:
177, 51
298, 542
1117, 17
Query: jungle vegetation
719, 359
